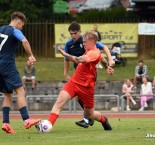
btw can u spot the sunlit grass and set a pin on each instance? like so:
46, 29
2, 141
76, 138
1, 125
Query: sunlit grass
52, 69
65, 132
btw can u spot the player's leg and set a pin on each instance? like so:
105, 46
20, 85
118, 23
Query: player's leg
63, 98
98, 117
86, 97
85, 122
20, 92
6, 109
24, 81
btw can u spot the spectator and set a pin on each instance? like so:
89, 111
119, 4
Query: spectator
146, 92
153, 82
140, 71
29, 75
128, 90
97, 32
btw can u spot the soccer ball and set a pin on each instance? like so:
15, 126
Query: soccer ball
44, 126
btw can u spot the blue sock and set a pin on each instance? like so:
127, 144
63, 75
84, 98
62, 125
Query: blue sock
24, 113
85, 116
6, 111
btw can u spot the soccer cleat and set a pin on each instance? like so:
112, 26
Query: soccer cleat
30, 122
82, 123
7, 128
91, 122
106, 125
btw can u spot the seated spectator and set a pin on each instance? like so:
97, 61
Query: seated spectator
29, 75
140, 71
128, 90
146, 92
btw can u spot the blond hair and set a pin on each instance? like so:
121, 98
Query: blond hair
90, 35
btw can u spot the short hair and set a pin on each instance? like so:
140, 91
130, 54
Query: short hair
74, 26
140, 61
19, 15
90, 35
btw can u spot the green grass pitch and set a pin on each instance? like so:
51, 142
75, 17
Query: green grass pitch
126, 131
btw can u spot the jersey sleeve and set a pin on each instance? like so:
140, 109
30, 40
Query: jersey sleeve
66, 50
91, 56
18, 34
99, 45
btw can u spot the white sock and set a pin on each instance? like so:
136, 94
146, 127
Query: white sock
134, 102
145, 105
86, 120
127, 107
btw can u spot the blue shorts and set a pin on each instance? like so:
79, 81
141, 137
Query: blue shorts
9, 78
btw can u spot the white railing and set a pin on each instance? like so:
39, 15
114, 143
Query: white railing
133, 95
72, 105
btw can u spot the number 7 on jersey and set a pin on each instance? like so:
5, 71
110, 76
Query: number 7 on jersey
5, 37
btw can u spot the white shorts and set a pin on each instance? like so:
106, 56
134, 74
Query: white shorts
32, 77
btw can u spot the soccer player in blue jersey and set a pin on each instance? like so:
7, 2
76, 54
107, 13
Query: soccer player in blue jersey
74, 46
10, 79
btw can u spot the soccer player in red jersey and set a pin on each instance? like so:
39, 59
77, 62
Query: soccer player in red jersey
82, 82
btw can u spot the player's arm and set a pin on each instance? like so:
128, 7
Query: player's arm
66, 69
27, 48
72, 58
19, 35
66, 63
106, 51
109, 69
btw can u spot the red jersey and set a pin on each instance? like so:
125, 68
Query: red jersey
85, 73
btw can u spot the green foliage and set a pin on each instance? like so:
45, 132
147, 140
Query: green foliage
33, 9
44, 10
117, 13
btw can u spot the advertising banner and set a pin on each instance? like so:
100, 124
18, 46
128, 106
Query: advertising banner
146, 29
127, 34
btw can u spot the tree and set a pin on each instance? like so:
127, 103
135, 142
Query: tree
33, 9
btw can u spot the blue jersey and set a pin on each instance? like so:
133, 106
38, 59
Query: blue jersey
9, 37
9, 75
76, 48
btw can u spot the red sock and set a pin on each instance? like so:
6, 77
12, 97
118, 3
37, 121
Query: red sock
53, 117
102, 119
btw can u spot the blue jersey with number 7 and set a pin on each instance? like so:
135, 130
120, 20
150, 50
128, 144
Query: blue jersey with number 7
9, 37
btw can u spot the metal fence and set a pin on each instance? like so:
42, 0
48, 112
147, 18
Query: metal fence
45, 102
138, 97
41, 36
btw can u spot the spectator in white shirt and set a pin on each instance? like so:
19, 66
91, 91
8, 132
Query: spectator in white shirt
146, 92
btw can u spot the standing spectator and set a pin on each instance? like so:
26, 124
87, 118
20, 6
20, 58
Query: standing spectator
10, 79
128, 90
82, 82
97, 32
140, 71
29, 75
146, 92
